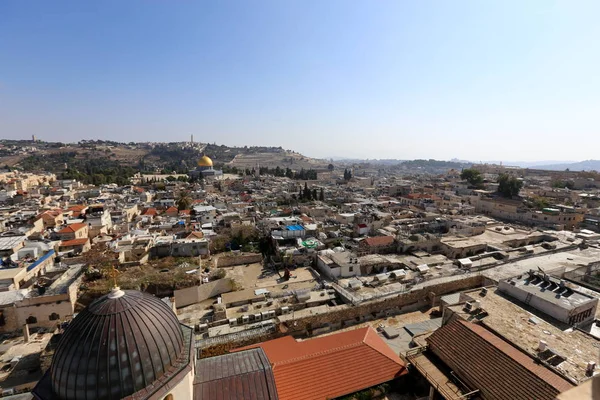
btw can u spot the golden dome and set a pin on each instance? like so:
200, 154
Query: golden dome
205, 161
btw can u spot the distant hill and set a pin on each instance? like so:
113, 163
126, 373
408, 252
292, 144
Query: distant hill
99, 161
587, 165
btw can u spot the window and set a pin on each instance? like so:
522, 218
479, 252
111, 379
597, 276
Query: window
351, 269
31, 320
54, 316
168, 397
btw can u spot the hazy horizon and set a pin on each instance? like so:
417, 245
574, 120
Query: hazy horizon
498, 80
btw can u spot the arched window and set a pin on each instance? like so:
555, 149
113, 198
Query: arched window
168, 397
54, 316
31, 320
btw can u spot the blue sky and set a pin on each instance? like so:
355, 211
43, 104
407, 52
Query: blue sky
478, 80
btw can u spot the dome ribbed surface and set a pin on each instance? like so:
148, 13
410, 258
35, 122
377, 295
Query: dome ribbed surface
116, 347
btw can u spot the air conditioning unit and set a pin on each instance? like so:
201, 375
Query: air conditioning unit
484, 291
477, 304
285, 310
233, 321
245, 319
468, 306
202, 328
258, 317
268, 314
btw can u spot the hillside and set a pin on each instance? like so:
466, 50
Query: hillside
107, 162
587, 165
282, 159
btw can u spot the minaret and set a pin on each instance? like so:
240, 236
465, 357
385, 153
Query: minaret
192, 139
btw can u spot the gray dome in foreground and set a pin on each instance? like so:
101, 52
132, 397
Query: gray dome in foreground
118, 345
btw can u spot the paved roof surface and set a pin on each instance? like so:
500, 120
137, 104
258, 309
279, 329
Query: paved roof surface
488, 363
350, 361
244, 375
423, 327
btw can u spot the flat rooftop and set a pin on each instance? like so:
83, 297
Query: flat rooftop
524, 329
551, 263
27, 371
551, 291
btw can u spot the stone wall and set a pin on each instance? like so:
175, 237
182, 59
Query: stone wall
428, 293
196, 294
341, 315
229, 261
9, 319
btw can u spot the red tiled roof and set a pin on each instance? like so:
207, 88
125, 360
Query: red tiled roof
74, 242
379, 241
184, 212
150, 211
330, 366
77, 210
172, 209
50, 213
488, 363
72, 228
195, 235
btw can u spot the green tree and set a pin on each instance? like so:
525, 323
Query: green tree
347, 174
322, 195
307, 195
330, 167
184, 200
509, 186
563, 184
540, 203
472, 176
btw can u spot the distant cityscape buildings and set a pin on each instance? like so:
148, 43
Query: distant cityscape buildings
289, 278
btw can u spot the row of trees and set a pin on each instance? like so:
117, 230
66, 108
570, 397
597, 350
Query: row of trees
314, 194
303, 174
508, 185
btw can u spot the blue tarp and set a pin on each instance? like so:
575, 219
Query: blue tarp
295, 228
41, 260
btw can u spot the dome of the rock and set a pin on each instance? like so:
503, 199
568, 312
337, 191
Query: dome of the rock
205, 161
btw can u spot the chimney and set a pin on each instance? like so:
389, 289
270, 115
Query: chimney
477, 304
542, 345
26, 333
591, 366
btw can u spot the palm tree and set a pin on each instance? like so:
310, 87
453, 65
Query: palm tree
184, 200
